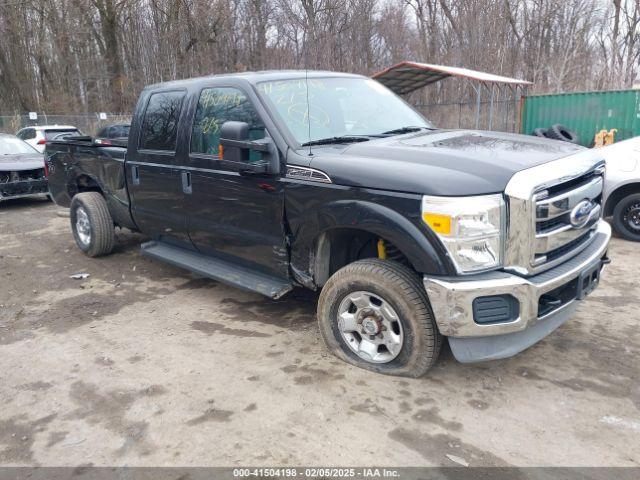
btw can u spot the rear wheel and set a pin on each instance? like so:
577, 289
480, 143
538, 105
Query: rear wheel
626, 217
375, 314
91, 223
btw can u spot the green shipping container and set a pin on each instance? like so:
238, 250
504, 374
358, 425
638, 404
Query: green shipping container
585, 113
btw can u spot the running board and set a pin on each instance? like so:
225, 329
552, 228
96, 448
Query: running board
217, 269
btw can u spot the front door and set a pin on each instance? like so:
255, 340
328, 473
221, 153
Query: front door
153, 179
234, 214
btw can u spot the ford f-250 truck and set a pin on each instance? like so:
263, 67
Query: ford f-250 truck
274, 180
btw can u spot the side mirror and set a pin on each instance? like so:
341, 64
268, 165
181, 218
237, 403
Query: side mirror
234, 138
236, 146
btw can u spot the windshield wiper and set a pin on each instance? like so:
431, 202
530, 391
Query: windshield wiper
398, 131
342, 139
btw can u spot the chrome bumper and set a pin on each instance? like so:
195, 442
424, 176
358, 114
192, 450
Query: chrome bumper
452, 297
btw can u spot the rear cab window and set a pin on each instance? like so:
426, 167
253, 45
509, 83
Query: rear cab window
217, 105
160, 122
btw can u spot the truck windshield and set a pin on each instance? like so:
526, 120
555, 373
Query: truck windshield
339, 107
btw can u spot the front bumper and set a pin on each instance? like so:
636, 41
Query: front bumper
452, 303
23, 188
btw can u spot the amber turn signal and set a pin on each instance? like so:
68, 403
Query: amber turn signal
438, 223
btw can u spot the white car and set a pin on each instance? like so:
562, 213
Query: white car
37, 136
622, 187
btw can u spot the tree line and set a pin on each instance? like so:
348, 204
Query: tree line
74, 56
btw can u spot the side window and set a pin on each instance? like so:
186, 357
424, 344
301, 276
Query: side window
219, 105
160, 123
20, 134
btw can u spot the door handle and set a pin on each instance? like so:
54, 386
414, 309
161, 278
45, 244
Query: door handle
135, 174
186, 183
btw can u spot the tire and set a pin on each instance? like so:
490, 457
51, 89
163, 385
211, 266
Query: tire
383, 284
626, 217
91, 224
540, 132
560, 132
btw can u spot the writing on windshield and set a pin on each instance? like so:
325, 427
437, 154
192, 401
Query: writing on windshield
336, 107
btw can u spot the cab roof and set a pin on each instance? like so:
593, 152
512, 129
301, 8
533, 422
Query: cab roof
256, 77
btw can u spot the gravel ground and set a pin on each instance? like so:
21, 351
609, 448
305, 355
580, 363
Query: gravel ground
143, 364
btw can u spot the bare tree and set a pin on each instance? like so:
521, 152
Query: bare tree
96, 55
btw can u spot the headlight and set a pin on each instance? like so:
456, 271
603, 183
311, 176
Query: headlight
471, 229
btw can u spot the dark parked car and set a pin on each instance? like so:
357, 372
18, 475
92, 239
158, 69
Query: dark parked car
22, 171
271, 181
113, 134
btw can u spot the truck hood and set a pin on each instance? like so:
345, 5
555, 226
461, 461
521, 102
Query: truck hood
22, 161
450, 163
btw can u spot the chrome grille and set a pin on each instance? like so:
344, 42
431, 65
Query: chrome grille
566, 217
540, 200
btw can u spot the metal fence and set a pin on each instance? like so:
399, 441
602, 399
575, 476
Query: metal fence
88, 123
499, 115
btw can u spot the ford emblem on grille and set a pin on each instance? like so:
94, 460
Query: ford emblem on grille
581, 213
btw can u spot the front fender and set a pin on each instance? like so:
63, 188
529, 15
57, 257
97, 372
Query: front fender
406, 231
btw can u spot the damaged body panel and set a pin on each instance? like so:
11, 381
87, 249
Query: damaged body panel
22, 183
315, 210
81, 166
21, 169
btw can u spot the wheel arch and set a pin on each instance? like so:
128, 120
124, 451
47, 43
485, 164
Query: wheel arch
339, 246
618, 194
325, 233
84, 182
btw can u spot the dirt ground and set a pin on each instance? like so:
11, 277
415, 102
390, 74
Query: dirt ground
142, 364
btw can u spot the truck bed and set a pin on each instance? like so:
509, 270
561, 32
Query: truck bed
79, 164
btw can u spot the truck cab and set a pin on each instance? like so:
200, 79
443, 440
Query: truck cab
271, 181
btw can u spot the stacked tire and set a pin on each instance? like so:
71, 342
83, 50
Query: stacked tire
557, 132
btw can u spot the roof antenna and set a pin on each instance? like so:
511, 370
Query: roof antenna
306, 85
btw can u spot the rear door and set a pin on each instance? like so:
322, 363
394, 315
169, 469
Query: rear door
233, 214
153, 179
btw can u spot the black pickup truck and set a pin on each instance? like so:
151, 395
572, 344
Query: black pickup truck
275, 180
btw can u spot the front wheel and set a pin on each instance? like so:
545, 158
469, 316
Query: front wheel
626, 217
92, 224
375, 314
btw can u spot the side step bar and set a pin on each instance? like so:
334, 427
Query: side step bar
217, 269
